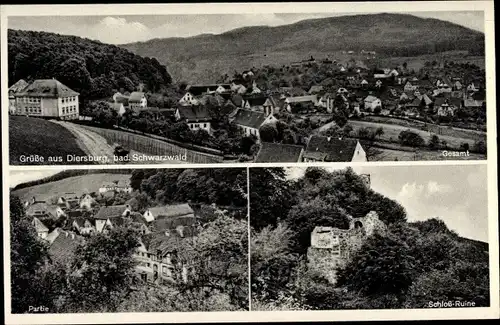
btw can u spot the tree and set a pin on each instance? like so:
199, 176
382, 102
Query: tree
379, 132
268, 133
273, 263
480, 147
464, 281
410, 138
105, 271
347, 130
434, 142
34, 281
382, 266
218, 258
271, 196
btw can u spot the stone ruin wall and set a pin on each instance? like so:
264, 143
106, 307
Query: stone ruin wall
327, 260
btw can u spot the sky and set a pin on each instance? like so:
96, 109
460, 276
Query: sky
134, 28
455, 194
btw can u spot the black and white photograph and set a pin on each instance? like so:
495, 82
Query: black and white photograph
327, 238
229, 88
153, 240
255, 161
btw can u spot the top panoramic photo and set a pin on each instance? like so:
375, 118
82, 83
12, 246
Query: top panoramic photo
246, 88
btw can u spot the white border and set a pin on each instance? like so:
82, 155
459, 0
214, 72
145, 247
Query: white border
239, 8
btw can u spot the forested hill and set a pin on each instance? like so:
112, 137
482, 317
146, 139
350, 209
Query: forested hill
387, 34
90, 67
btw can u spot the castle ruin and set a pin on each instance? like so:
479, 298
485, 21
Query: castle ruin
331, 248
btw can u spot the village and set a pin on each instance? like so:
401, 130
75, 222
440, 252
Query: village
68, 219
311, 110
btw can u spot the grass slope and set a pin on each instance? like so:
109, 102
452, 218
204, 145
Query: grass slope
34, 136
77, 184
205, 57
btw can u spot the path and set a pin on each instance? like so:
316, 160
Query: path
96, 145
92, 144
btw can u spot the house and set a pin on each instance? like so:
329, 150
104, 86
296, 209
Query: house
301, 100
156, 257
38, 209
445, 110
83, 226
278, 152
251, 121
87, 201
137, 100
116, 186
63, 245
410, 86
372, 102
255, 89
266, 104
68, 201
329, 149
47, 98
168, 211
41, 230
110, 216
17, 87
196, 117
194, 92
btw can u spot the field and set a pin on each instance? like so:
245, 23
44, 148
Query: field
391, 133
383, 154
35, 136
417, 62
76, 184
437, 129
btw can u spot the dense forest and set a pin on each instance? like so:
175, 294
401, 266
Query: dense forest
89, 67
414, 263
220, 285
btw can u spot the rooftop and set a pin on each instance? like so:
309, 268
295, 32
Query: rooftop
330, 148
50, 88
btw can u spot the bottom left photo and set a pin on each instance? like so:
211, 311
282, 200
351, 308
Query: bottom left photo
129, 240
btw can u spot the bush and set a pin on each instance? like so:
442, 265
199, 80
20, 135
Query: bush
410, 138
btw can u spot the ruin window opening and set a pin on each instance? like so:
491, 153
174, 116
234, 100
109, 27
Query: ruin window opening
358, 225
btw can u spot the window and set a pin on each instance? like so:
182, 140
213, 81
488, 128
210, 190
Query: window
204, 125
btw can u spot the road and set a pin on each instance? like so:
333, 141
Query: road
95, 145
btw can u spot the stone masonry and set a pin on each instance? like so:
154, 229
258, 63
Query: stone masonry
331, 248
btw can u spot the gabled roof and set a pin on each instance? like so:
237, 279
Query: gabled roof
111, 211
188, 222
63, 245
169, 211
248, 118
122, 99
256, 101
330, 148
50, 88
37, 206
136, 97
138, 218
39, 226
277, 152
194, 113
18, 86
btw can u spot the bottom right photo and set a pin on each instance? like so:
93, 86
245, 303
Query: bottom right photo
370, 237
